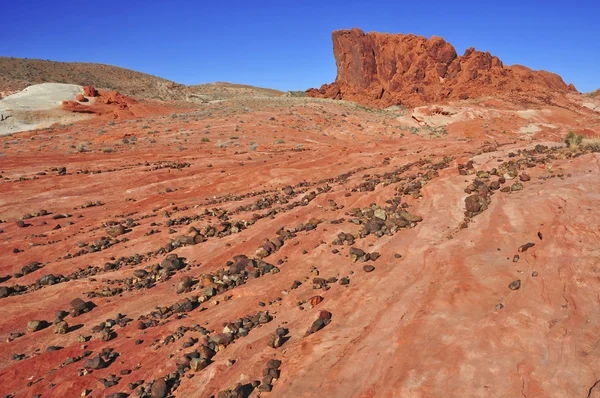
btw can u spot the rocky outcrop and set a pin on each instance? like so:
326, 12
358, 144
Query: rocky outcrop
380, 70
106, 103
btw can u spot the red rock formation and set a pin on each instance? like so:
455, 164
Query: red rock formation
81, 98
109, 103
90, 91
76, 107
380, 70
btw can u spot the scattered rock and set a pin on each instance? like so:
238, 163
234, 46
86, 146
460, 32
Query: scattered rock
94, 363
159, 389
115, 230
515, 285
61, 327
526, 246
34, 326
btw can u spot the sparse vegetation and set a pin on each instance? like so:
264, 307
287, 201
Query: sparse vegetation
591, 143
573, 140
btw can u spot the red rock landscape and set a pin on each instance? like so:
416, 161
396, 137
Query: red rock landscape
256, 244
379, 69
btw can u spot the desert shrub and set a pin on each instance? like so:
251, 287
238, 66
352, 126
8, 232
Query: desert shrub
591, 143
205, 139
573, 140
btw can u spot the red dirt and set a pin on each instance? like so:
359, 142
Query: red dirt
435, 318
380, 70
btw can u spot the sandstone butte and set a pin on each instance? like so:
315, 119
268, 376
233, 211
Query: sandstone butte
266, 246
381, 70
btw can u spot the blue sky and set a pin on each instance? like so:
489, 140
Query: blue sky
287, 44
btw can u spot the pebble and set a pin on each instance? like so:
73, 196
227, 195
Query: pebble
78, 305
35, 325
515, 285
159, 389
61, 327
368, 268
526, 246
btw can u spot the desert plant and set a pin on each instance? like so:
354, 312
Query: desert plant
205, 139
591, 143
573, 140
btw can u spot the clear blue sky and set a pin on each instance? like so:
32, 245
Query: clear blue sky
287, 44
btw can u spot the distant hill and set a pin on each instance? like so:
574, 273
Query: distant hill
222, 90
594, 94
19, 73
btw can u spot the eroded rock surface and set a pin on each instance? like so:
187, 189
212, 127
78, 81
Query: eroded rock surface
381, 70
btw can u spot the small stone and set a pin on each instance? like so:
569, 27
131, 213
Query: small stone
115, 230
499, 306
517, 186
35, 325
515, 285
5, 291
197, 364
368, 268
374, 256
380, 213
316, 326
315, 300
78, 305
94, 363
534, 274
140, 273
159, 389
526, 246
472, 203
273, 364
325, 315
265, 388
275, 341
61, 327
